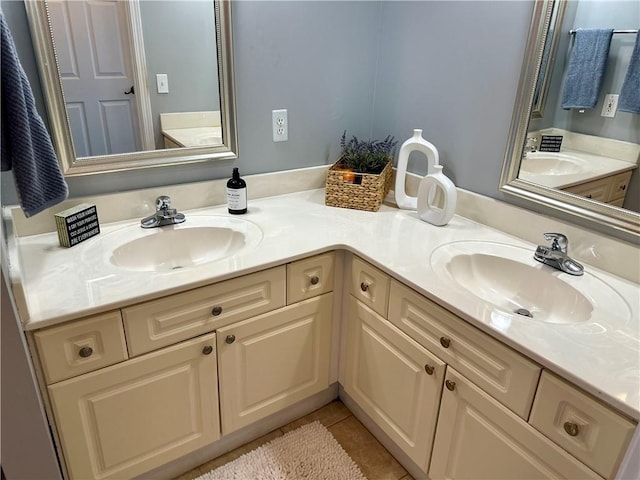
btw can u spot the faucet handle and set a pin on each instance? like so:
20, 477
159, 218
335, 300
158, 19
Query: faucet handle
163, 202
559, 242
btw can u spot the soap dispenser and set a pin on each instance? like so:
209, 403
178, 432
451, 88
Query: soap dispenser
429, 185
236, 194
419, 144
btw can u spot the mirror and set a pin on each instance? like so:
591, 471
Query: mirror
526, 172
556, 11
122, 93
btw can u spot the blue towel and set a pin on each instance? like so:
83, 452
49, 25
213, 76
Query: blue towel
586, 69
26, 146
629, 100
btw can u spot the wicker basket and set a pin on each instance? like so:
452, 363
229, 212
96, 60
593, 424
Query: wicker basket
360, 191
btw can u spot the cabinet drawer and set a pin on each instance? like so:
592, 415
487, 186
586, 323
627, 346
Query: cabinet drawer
310, 277
597, 190
370, 286
581, 425
500, 371
162, 322
81, 346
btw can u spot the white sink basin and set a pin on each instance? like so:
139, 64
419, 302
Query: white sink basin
197, 241
511, 281
549, 163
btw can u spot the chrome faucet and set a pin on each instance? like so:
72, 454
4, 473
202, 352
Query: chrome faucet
556, 255
165, 215
530, 145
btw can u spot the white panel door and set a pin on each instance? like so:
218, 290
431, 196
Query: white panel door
92, 41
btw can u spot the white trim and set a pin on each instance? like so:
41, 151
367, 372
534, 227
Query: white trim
142, 97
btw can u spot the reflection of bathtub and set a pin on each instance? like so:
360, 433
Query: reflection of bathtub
191, 129
569, 168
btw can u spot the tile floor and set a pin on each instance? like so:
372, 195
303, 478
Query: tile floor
373, 459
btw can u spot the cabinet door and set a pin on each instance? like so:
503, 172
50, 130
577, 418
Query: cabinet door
479, 438
273, 360
394, 380
126, 419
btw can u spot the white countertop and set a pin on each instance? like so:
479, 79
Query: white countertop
599, 166
601, 355
195, 136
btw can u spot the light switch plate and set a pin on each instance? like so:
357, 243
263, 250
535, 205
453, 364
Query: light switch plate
162, 81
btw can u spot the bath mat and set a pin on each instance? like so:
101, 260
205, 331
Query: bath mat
307, 453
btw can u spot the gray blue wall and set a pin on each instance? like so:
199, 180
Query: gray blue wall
450, 68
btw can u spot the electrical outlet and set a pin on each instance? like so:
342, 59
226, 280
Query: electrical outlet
610, 105
280, 124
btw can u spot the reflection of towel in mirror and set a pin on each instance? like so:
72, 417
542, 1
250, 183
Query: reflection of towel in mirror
26, 145
629, 100
587, 66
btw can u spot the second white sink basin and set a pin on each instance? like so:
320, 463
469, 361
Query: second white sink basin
549, 163
197, 241
508, 278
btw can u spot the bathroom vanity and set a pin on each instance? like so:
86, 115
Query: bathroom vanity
142, 369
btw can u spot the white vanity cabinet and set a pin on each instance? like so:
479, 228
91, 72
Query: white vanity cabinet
123, 420
271, 361
497, 415
479, 438
133, 389
611, 189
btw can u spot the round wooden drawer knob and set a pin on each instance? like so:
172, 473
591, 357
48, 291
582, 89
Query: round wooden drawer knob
364, 286
217, 310
451, 386
429, 369
445, 342
571, 428
207, 349
85, 352
314, 280
230, 339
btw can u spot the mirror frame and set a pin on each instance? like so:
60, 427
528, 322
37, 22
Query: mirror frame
41, 34
556, 9
601, 216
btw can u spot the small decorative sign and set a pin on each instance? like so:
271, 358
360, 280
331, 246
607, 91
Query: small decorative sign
550, 143
77, 224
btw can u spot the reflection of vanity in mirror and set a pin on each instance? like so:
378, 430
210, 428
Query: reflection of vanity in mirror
594, 174
122, 92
